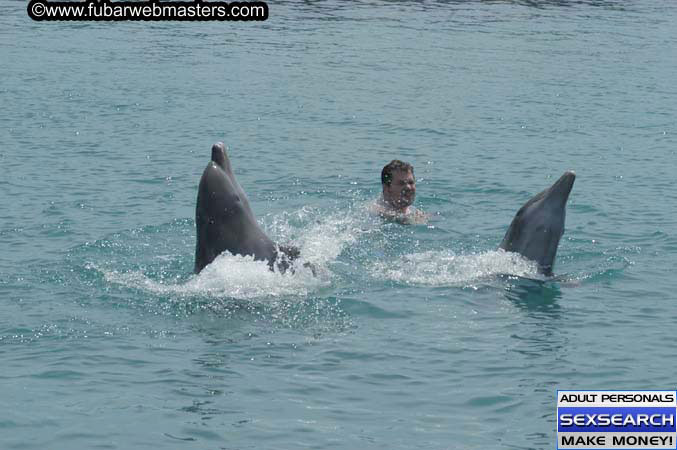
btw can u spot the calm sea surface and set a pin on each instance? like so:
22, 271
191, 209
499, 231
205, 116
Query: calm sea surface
409, 336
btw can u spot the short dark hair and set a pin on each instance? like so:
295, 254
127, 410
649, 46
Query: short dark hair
395, 164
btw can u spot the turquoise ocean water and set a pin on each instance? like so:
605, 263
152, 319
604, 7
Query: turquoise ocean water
409, 336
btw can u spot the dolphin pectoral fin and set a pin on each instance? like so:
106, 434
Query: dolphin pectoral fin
312, 268
286, 257
290, 251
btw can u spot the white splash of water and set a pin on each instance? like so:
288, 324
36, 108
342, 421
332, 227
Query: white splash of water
241, 277
232, 276
321, 237
324, 241
445, 268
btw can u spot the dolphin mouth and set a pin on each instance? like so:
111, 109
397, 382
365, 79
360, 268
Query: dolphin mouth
562, 187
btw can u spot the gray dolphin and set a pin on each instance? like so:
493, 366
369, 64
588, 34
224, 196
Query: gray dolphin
539, 224
225, 221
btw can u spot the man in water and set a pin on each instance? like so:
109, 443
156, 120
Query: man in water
399, 192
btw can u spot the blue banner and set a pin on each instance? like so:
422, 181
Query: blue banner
616, 419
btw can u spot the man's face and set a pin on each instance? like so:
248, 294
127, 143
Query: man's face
402, 190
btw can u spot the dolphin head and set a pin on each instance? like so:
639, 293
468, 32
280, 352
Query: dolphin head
223, 218
536, 230
221, 194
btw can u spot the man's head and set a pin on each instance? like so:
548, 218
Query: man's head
399, 184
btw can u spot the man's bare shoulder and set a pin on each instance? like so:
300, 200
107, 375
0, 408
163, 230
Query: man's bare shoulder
413, 216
